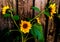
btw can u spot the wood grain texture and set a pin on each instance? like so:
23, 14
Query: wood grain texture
51, 26
51, 31
3, 22
6, 23
41, 5
24, 8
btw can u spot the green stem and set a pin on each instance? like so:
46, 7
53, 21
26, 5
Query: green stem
14, 21
50, 1
26, 36
29, 38
37, 15
22, 38
17, 26
13, 30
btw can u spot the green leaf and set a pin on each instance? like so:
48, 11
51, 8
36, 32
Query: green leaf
6, 15
37, 31
36, 9
47, 13
28, 19
16, 17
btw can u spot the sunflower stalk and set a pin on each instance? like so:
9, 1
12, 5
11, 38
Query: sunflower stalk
13, 30
22, 38
29, 38
14, 21
17, 26
37, 15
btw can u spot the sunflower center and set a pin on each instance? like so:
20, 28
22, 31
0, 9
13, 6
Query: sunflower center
25, 26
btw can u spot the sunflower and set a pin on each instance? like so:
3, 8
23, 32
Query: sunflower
52, 10
38, 20
50, 17
25, 26
4, 9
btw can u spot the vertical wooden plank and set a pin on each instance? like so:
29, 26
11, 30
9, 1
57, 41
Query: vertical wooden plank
9, 20
4, 2
0, 13
20, 7
30, 4
12, 4
4, 23
58, 3
24, 8
0, 6
51, 27
41, 5
51, 31
58, 7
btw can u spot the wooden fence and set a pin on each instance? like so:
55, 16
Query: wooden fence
23, 8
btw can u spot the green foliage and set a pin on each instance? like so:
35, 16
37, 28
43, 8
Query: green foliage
16, 17
46, 12
6, 15
36, 9
28, 19
37, 31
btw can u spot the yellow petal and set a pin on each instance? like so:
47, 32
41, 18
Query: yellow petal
23, 29
50, 17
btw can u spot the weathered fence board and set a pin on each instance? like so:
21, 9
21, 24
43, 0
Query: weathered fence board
6, 23
24, 8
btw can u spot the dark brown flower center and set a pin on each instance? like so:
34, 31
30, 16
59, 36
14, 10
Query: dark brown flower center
25, 26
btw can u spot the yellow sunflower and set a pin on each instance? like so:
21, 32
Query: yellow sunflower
4, 9
50, 17
52, 10
38, 20
25, 26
